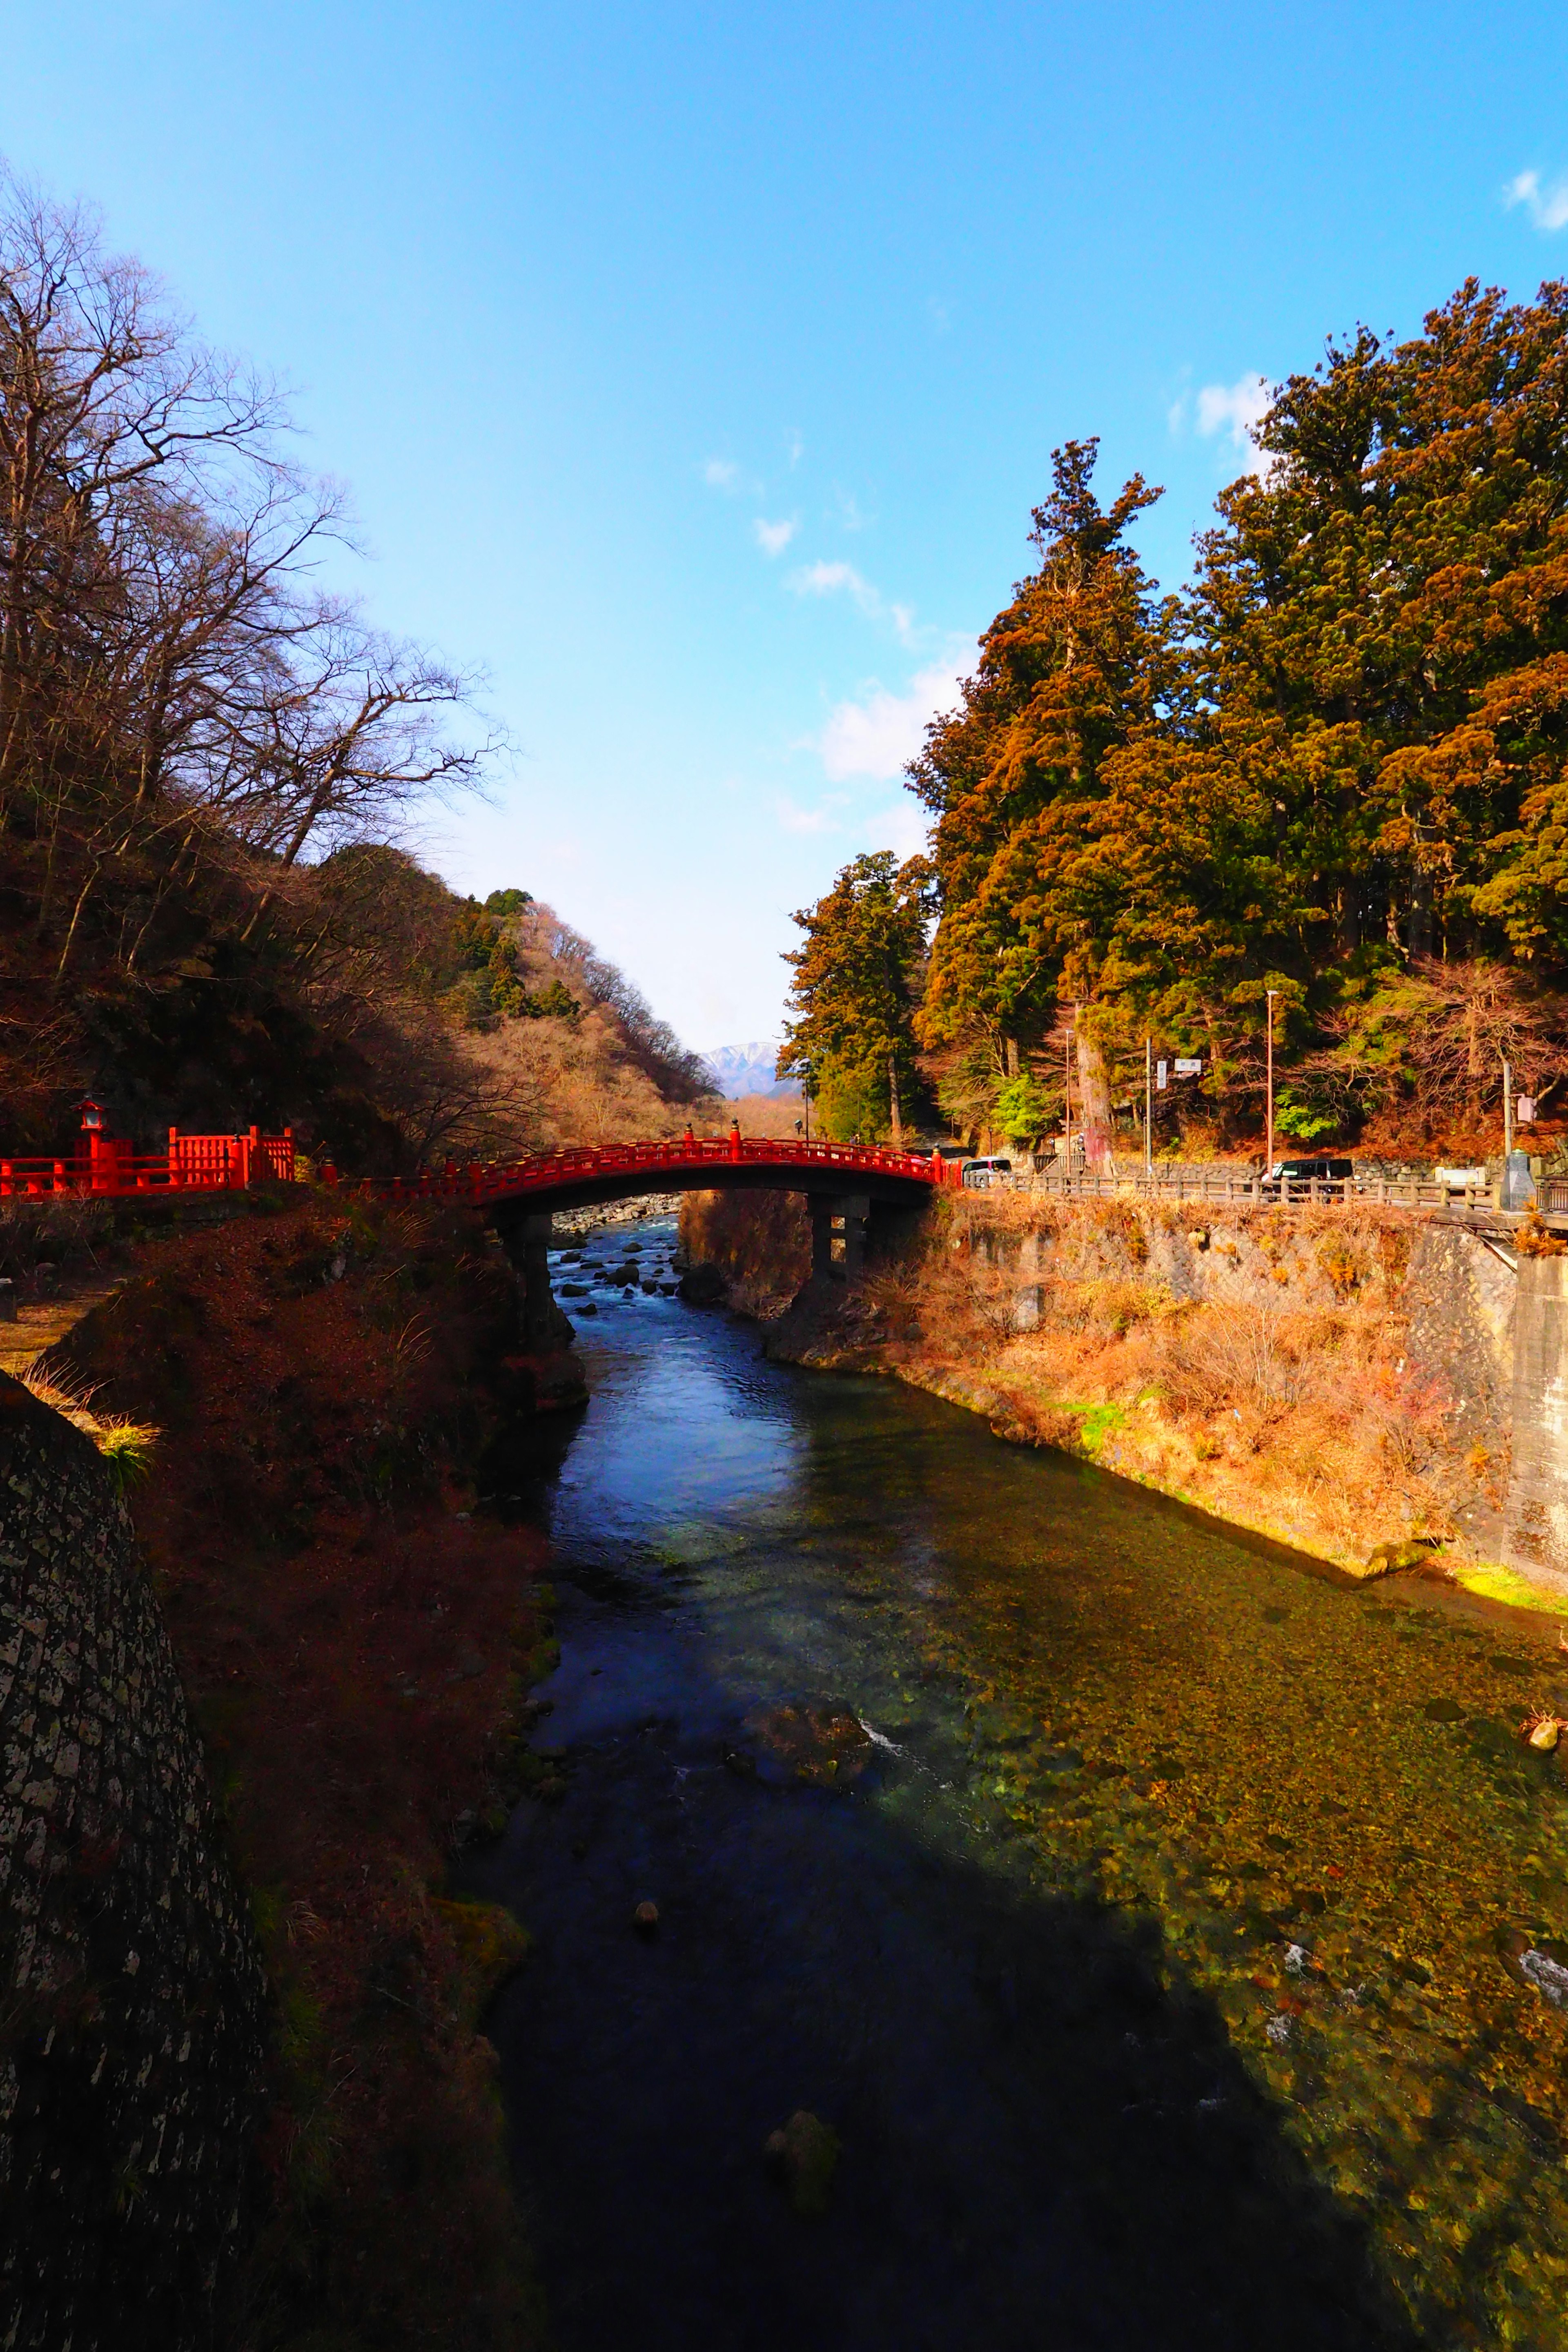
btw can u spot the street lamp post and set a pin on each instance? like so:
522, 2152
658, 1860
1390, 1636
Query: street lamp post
1268, 1160
1148, 1108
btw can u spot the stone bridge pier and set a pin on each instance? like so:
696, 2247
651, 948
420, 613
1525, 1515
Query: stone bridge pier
546, 1377
544, 1326
851, 1231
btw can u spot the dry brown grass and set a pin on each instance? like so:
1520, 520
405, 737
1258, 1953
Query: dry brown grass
579, 1083
1289, 1408
760, 1240
350, 1644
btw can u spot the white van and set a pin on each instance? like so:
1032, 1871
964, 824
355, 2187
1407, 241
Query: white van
980, 1175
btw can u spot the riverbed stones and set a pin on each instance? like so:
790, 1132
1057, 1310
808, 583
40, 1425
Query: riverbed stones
821, 1746
703, 1286
802, 2157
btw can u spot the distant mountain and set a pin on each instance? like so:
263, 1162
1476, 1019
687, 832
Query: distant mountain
748, 1069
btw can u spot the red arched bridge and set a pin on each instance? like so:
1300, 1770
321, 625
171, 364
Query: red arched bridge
861, 1195
540, 1182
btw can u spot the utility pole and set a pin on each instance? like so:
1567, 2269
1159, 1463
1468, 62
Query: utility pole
1268, 1158
1066, 1108
1507, 1120
1148, 1108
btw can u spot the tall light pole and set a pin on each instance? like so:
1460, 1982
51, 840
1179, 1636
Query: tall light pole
1067, 1105
1148, 1108
1268, 1160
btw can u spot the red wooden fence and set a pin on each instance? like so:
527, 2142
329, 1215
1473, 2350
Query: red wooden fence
109, 1165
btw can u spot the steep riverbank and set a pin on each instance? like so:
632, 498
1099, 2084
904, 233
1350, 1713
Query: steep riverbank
1339, 1383
355, 1647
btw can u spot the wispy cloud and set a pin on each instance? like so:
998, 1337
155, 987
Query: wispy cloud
1547, 207
880, 732
1234, 409
826, 579
773, 538
1240, 406
794, 445
817, 820
831, 579
721, 473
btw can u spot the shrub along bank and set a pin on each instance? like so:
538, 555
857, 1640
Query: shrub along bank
1337, 1381
353, 1646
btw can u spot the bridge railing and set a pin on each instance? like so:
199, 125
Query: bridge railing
1198, 1185
545, 1171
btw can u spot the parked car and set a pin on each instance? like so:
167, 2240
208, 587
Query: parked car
981, 1174
1318, 1168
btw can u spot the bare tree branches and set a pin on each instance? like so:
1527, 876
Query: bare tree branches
175, 687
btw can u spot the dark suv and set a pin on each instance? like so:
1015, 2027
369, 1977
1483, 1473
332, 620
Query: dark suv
1320, 1168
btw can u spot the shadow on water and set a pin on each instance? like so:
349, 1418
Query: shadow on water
1045, 2139
1034, 1965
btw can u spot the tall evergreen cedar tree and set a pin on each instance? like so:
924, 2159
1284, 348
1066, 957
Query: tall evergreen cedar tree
856, 982
1336, 768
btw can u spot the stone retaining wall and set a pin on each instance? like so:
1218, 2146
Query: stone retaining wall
132, 2029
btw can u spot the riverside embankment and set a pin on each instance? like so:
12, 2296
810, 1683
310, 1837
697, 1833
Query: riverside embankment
351, 1643
1340, 1380
1170, 1933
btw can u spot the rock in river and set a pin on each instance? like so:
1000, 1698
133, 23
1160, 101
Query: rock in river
703, 1286
802, 2157
825, 1746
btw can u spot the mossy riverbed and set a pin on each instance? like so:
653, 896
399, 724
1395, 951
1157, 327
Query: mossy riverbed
1186, 1962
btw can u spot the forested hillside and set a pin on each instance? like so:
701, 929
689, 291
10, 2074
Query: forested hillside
203, 756
1331, 768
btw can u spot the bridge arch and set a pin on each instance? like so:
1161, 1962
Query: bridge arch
862, 1193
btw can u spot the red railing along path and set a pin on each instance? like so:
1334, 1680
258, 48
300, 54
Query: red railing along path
107, 1166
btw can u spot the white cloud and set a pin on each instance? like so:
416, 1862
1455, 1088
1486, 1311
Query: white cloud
799, 820
903, 828
878, 734
721, 473
1548, 208
1241, 406
773, 538
827, 579
794, 445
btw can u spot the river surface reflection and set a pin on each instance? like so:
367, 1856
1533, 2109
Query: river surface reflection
1166, 1972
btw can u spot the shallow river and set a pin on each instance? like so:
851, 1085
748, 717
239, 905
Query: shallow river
1163, 1957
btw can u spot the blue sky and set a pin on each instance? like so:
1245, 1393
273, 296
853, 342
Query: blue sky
694, 370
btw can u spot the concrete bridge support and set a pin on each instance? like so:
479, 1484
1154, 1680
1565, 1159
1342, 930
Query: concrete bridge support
547, 1377
838, 1236
544, 1325
849, 1230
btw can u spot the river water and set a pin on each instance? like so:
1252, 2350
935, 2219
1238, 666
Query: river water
1173, 1952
